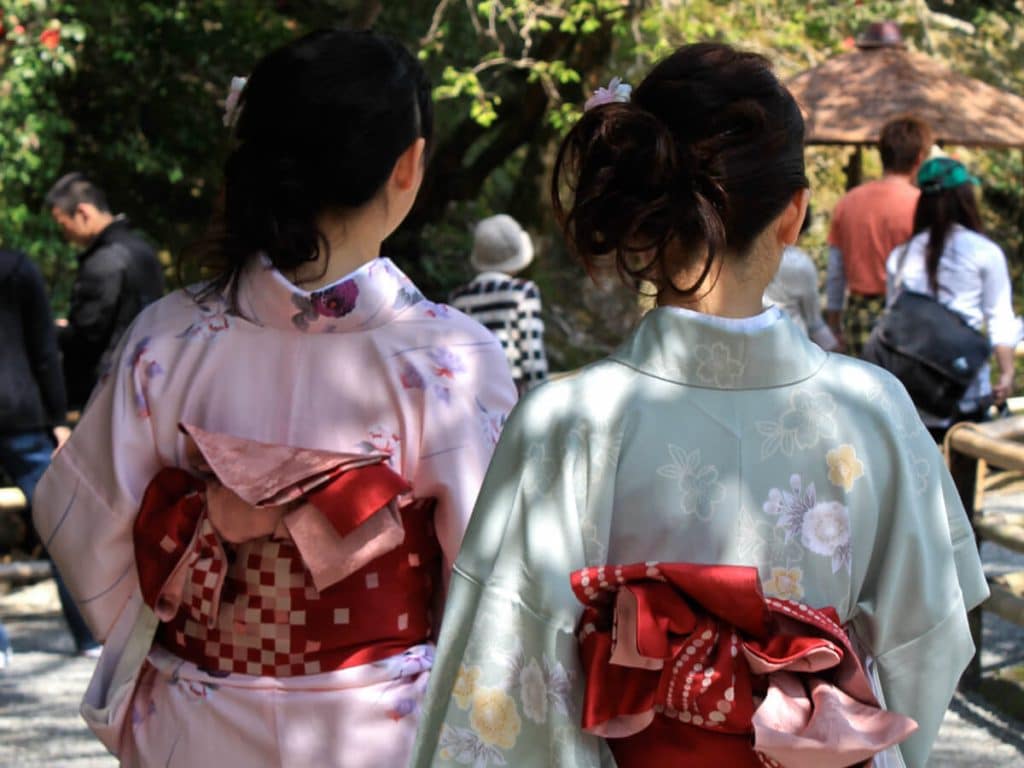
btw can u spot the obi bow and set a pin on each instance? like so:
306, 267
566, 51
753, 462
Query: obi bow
340, 510
687, 661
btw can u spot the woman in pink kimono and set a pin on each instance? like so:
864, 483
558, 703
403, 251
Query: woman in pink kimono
260, 508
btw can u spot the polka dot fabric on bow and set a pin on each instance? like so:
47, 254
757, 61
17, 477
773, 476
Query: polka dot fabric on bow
685, 661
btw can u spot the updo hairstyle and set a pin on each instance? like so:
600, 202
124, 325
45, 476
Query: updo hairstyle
707, 154
322, 121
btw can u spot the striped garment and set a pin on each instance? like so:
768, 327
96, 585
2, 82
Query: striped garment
510, 309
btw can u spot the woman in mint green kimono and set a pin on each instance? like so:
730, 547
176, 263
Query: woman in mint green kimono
717, 434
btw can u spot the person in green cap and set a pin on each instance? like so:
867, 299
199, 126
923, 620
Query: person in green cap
950, 258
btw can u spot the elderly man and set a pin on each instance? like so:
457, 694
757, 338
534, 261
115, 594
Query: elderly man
118, 275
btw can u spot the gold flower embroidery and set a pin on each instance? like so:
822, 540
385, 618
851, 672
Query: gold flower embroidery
494, 717
785, 584
844, 467
465, 685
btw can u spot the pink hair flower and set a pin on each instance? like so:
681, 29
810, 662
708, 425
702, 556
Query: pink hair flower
616, 92
231, 102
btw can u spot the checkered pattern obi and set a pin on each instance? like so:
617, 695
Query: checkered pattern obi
253, 608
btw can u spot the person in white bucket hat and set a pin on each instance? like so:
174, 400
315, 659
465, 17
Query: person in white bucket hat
506, 305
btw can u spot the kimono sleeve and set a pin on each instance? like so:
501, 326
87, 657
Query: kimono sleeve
506, 684
459, 434
86, 503
923, 576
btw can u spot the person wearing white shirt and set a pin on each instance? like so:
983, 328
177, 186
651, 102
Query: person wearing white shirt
949, 258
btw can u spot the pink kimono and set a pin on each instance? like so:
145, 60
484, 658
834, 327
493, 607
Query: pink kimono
251, 509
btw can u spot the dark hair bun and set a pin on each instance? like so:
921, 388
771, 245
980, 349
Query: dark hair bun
706, 155
322, 122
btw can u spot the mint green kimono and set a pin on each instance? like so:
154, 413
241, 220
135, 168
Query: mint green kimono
710, 441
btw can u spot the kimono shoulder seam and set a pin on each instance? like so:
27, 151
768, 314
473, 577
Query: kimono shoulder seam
513, 596
68, 459
936, 627
694, 385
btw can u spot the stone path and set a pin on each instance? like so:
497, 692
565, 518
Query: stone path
39, 695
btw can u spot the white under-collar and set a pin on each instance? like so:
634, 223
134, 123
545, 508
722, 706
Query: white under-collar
757, 322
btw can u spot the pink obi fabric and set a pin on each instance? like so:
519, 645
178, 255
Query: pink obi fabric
284, 561
691, 664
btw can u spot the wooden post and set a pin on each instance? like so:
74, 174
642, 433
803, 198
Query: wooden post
855, 168
964, 470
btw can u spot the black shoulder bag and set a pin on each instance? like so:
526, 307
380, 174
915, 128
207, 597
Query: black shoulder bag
930, 348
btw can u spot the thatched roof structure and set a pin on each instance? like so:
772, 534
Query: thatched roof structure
847, 100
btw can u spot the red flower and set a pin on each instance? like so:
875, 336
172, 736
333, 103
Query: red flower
849, 44
50, 38
19, 30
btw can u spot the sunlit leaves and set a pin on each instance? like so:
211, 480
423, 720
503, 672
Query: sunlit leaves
511, 36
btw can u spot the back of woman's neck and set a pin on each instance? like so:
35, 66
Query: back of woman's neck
729, 296
348, 244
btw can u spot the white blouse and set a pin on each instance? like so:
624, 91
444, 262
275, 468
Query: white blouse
974, 282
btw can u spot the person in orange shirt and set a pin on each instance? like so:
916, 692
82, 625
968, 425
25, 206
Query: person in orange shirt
868, 222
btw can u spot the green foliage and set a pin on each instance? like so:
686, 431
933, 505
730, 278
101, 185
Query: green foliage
130, 91
39, 47
147, 103
487, 45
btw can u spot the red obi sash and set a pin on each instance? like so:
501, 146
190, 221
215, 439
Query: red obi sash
692, 665
314, 570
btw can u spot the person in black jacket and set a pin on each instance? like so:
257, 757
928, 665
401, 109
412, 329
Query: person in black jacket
118, 275
32, 403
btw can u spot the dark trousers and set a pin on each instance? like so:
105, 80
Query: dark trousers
25, 456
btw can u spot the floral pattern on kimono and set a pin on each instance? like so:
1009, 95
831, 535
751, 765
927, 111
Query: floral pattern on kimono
822, 527
284, 366
583, 468
807, 421
699, 489
432, 370
508, 693
211, 319
144, 370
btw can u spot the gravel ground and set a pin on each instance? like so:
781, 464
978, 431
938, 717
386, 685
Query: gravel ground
39, 695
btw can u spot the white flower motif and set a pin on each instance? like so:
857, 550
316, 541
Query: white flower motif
889, 396
465, 747
774, 504
698, 484
791, 506
808, 419
716, 366
922, 473
533, 691
761, 542
823, 528
601, 445
617, 91
826, 531
559, 685
540, 470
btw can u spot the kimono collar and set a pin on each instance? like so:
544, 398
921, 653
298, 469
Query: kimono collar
768, 350
373, 295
